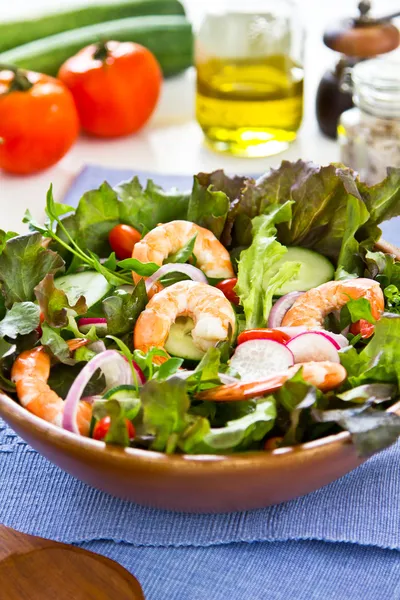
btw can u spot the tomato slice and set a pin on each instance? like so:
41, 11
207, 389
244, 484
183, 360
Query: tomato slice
363, 328
122, 240
263, 334
226, 286
101, 429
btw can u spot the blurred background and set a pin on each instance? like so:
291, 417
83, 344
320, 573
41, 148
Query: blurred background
172, 141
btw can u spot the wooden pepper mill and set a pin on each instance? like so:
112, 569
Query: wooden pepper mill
356, 39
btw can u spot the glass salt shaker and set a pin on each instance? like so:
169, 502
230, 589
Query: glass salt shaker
369, 133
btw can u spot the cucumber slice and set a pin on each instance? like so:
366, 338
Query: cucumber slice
90, 284
121, 392
315, 269
180, 342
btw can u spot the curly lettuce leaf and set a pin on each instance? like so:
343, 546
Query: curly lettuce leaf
258, 276
383, 199
54, 303
211, 198
24, 262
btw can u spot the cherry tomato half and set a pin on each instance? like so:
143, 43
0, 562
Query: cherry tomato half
363, 328
101, 429
226, 288
122, 239
263, 334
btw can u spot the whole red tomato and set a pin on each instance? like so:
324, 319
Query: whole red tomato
38, 121
122, 240
115, 85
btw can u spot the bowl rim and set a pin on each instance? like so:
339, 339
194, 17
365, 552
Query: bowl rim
194, 463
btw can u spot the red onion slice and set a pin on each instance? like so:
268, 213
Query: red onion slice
193, 272
281, 307
116, 370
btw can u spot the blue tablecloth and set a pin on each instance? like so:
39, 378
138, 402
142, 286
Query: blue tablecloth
341, 542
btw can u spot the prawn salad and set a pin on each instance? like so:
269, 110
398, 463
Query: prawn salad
242, 315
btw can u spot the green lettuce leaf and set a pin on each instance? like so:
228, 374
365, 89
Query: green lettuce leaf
165, 406
146, 208
237, 435
7, 354
21, 319
258, 277
123, 309
350, 261
119, 411
54, 303
23, 264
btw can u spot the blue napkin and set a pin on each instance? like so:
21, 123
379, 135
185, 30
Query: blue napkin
338, 543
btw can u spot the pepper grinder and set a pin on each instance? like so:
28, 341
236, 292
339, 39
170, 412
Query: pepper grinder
356, 39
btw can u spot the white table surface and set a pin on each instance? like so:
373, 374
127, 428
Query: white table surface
172, 142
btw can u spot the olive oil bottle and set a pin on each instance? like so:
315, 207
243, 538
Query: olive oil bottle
249, 98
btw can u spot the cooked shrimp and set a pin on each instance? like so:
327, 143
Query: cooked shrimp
311, 308
324, 375
212, 258
211, 312
30, 373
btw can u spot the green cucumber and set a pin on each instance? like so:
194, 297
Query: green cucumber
315, 270
90, 284
170, 39
121, 392
16, 33
180, 342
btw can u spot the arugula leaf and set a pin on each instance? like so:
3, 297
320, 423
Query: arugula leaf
184, 253
258, 276
123, 309
54, 303
23, 264
165, 406
146, 208
143, 269
392, 298
208, 207
119, 411
21, 319
56, 345
206, 374
111, 263
168, 368
237, 435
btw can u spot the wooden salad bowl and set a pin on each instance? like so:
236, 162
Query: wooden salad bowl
188, 483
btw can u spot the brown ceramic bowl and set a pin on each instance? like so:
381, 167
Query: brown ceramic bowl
191, 483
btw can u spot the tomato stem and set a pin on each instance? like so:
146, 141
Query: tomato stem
102, 52
20, 82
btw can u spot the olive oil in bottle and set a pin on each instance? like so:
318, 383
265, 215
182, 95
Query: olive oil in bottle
249, 99
250, 107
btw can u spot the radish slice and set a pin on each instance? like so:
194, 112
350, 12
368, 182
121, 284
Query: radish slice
116, 370
280, 308
193, 272
339, 340
257, 359
314, 346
